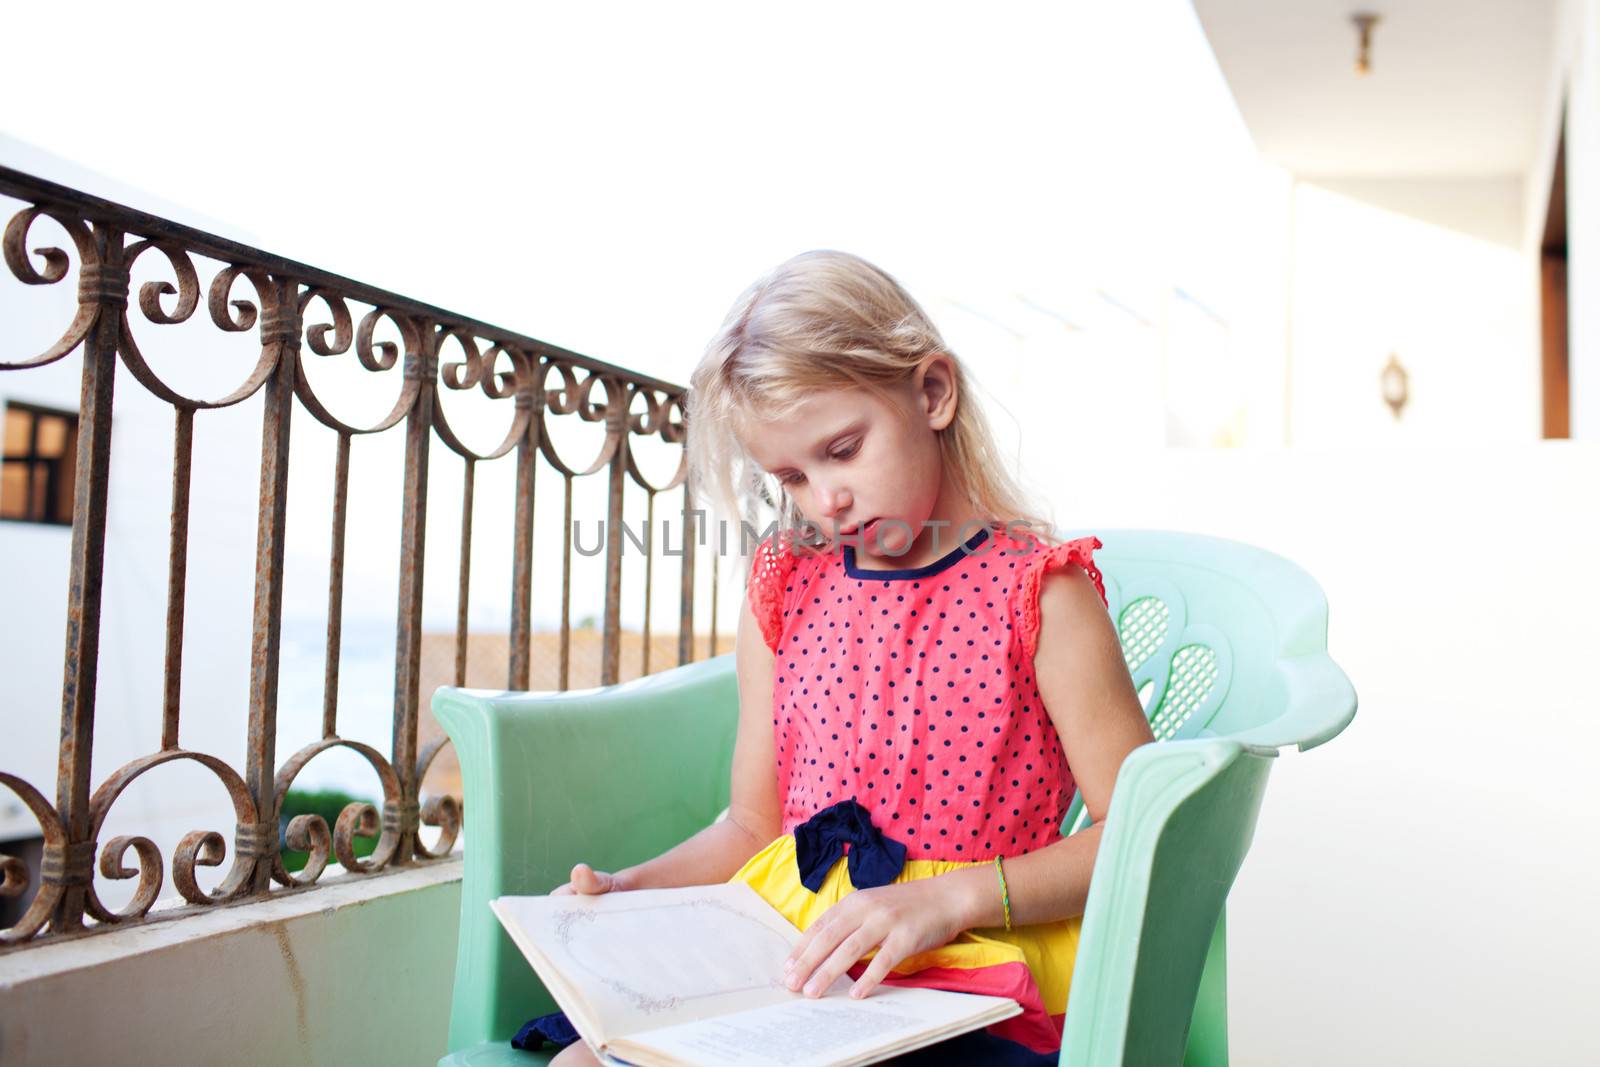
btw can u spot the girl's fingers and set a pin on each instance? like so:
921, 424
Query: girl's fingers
876, 971
819, 939
587, 880
840, 960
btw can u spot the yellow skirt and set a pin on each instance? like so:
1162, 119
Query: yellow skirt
1030, 964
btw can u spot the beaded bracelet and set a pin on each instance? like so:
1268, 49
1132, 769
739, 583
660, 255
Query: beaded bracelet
1005, 896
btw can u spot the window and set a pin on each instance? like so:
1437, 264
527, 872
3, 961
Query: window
40, 464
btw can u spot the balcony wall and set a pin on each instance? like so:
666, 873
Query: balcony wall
355, 972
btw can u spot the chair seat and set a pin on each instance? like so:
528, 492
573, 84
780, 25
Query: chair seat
496, 1054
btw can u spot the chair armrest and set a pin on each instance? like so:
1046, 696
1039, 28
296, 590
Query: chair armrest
609, 776
1318, 702
1181, 819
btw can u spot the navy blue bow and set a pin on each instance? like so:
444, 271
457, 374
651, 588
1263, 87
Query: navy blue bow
819, 841
555, 1028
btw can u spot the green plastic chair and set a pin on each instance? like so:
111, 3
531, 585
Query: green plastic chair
1227, 645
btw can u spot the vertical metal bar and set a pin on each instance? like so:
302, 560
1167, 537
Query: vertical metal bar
522, 550
649, 572
716, 570
686, 585
408, 626
466, 570
330, 675
177, 574
83, 591
280, 326
611, 633
566, 586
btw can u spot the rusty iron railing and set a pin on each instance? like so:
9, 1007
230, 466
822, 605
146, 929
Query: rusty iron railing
294, 306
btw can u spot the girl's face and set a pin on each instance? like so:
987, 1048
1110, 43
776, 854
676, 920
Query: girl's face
850, 461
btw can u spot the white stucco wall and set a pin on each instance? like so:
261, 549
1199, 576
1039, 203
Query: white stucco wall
1420, 889
1450, 301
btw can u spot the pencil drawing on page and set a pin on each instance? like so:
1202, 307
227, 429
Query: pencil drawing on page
657, 957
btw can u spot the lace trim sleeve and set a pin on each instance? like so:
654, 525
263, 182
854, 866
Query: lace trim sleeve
1056, 557
769, 579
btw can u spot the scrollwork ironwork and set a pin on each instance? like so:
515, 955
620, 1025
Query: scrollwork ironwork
443, 811
310, 833
377, 358
188, 293
198, 848
302, 315
478, 370
148, 872
16, 873
56, 264
574, 397
656, 420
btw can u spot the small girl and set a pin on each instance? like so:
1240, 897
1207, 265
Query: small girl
926, 673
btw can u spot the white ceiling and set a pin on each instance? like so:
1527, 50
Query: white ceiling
1456, 87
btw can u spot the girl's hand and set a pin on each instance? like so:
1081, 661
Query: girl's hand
588, 882
898, 920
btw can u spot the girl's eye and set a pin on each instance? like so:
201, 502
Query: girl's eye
794, 479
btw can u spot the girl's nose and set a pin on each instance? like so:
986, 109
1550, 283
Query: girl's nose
834, 501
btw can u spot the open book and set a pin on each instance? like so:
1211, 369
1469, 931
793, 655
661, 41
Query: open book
694, 976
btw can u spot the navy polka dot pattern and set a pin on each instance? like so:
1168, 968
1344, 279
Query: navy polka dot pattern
912, 691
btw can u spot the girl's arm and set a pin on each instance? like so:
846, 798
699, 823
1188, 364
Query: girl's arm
1084, 682
754, 819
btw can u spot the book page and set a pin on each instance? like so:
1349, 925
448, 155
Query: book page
831, 1030
655, 957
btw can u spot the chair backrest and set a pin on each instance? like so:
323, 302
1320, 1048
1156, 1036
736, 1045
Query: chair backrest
1227, 646
1222, 638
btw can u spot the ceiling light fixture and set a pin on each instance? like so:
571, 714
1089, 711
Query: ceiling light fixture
1364, 21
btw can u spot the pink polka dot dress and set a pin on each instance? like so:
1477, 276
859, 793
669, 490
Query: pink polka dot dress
911, 693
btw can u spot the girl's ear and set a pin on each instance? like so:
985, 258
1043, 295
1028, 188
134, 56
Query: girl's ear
936, 386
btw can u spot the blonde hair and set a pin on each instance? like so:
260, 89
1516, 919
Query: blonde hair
827, 320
